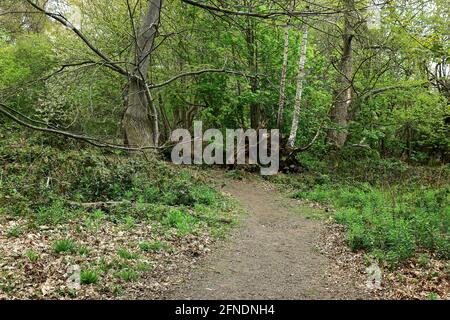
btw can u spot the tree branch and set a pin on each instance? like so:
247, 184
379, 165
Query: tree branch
93, 141
389, 88
61, 19
309, 145
197, 73
267, 15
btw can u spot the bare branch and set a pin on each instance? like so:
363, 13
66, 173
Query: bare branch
267, 15
4, 13
93, 141
374, 92
61, 19
197, 73
309, 145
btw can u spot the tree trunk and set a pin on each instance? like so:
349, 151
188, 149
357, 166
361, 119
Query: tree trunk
284, 67
299, 93
252, 47
343, 92
140, 122
136, 121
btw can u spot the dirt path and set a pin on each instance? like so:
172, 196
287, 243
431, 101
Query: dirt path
271, 255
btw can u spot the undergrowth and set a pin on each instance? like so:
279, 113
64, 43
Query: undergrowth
49, 180
391, 210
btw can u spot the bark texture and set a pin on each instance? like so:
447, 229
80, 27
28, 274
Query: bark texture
140, 121
252, 48
343, 92
299, 92
284, 67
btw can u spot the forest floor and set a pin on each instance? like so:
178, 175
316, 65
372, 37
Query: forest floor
277, 252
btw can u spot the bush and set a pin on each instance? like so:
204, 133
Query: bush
59, 174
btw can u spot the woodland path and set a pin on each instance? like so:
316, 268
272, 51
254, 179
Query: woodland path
270, 255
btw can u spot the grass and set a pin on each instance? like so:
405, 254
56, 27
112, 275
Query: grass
172, 201
64, 246
127, 275
180, 220
143, 267
126, 254
154, 246
14, 232
32, 256
234, 174
313, 213
83, 250
392, 223
117, 290
89, 277
54, 214
129, 222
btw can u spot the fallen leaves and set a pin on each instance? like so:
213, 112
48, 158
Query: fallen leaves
56, 276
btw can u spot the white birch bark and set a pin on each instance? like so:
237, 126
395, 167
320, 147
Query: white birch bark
299, 92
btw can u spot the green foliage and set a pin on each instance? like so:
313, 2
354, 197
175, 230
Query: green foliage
27, 59
391, 208
54, 214
390, 221
404, 131
180, 220
126, 254
127, 275
83, 250
89, 277
129, 222
42, 182
32, 255
14, 232
143, 267
433, 296
153, 246
64, 246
